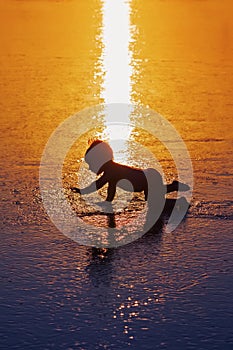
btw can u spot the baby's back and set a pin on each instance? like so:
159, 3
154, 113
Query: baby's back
135, 177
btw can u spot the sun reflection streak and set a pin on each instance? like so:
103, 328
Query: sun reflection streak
116, 55
116, 62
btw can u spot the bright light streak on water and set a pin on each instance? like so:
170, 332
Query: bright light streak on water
116, 62
116, 56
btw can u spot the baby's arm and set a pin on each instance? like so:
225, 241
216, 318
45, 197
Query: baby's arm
111, 192
94, 186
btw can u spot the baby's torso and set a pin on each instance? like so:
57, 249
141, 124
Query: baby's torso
127, 178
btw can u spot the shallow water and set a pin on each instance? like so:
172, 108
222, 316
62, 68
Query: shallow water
165, 290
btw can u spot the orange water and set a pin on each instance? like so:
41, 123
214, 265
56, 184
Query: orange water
50, 68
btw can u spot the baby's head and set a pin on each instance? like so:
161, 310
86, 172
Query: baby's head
98, 153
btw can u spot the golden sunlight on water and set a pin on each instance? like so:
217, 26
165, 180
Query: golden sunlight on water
116, 69
116, 56
166, 290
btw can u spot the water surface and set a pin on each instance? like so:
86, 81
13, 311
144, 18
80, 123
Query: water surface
166, 290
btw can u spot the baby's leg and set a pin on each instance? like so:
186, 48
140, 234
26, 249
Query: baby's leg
155, 197
176, 185
155, 187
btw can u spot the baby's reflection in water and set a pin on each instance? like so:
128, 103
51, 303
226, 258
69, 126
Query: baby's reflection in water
111, 220
100, 268
105, 264
104, 255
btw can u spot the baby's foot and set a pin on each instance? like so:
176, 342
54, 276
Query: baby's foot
181, 186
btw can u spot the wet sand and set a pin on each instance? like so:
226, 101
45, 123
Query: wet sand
165, 290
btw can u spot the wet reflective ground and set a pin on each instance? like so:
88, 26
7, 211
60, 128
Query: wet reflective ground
165, 290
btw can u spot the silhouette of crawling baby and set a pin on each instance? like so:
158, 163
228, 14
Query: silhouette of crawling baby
99, 157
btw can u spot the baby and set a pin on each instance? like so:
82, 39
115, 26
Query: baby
99, 157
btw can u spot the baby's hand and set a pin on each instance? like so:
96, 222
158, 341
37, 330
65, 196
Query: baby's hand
75, 189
